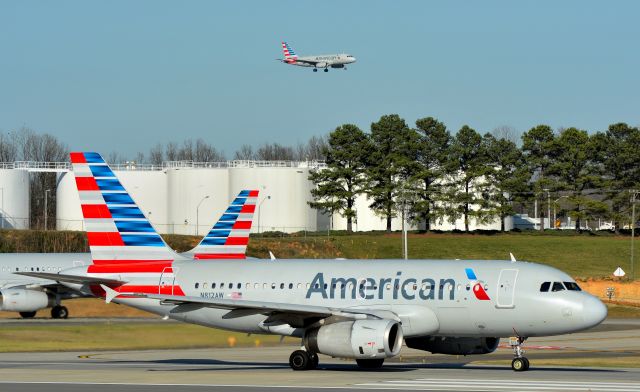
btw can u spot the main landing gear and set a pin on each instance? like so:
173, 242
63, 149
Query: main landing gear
519, 363
59, 312
303, 360
325, 70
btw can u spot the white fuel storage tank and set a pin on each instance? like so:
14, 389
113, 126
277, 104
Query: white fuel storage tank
14, 199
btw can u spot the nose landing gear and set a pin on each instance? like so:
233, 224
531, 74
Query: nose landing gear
520, 363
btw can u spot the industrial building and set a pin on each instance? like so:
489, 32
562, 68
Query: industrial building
188, 197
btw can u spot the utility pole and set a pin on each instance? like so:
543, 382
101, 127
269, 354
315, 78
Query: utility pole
634, 195
46, 213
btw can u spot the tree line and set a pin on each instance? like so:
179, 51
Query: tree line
434, 175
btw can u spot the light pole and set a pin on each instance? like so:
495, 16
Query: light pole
548, 207
634, 195
46, 212
198, 213
259, 210
554, 209
2, 218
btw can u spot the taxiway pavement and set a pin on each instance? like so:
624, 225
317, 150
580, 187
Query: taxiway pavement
251, 369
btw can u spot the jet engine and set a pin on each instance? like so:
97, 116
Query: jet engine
337, 65
454, 346
23, 300
370, 339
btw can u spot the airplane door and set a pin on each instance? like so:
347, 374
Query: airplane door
167, 280
506, 288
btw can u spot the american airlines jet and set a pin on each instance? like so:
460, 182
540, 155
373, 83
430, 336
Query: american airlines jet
325, 61
27, 295
359, 309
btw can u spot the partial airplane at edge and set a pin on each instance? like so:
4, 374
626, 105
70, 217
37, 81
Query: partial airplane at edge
358, 309
325, 61
227, 239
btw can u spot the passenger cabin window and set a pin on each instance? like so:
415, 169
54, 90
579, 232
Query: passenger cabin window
544, 287
573, 286
213, 285
197, 285
557, 286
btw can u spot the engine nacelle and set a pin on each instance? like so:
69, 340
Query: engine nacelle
454, 346
23, 300
337, 65
356, 339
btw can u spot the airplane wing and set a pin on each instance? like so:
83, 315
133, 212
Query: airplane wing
307, 61
72, 278
240, 308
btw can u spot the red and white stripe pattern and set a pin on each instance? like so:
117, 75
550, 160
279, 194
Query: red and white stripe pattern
122, 241
229, 237
289, 55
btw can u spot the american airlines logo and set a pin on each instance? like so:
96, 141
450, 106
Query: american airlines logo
383, 288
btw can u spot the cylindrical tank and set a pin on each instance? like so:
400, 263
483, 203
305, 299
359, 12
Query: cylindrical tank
68, 212
14, 199
282, 202
366, 219
195, 196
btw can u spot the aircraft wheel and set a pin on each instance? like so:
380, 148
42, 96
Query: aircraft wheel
313, 361
28, 314
370, 363
520, 364
299, 360
326, 70
315, 70
59, 312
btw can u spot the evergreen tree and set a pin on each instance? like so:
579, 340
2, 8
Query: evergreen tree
466, 166
507, 174
575, 168
392, 160
618, 151
432, 153
338, 185
537, 145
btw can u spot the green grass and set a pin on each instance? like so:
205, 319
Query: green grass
579, 255
120, 336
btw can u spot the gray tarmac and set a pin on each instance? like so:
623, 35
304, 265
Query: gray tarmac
250, 369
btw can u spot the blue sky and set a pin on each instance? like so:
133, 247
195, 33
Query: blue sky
125, 75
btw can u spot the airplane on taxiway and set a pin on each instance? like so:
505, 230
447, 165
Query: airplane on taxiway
27, 295
324, 61
358, 309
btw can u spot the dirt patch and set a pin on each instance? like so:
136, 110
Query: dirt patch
622, 292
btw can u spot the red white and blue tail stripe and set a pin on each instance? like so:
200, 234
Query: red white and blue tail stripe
289, 55
118, 232
229, 237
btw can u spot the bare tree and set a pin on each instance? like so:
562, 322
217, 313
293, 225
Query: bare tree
506, 132
8, 148
172, 151
245, 153
156, 155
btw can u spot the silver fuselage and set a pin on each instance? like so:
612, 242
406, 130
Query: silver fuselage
431, 297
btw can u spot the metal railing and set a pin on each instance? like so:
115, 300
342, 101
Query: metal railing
133, 166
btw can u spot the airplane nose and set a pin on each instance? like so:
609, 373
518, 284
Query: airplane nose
593, 311
353, 59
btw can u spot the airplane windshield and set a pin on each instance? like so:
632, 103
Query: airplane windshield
544, 287
573, 286
557, 286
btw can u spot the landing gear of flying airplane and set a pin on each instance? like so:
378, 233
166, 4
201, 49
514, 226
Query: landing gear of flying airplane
315, 70
302, 360
59, 312
27, 314
326, 70
520, 363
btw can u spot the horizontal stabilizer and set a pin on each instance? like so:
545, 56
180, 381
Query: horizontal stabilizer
72, 278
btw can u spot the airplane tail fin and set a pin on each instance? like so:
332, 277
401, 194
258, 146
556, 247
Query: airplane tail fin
289, 55
117, 230
229, 237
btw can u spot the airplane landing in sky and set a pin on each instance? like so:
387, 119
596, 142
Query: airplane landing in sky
324, 61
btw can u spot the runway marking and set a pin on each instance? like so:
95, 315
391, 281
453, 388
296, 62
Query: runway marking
502, 385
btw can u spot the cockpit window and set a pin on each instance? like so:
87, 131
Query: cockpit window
573, 286
544, 287
557, 286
